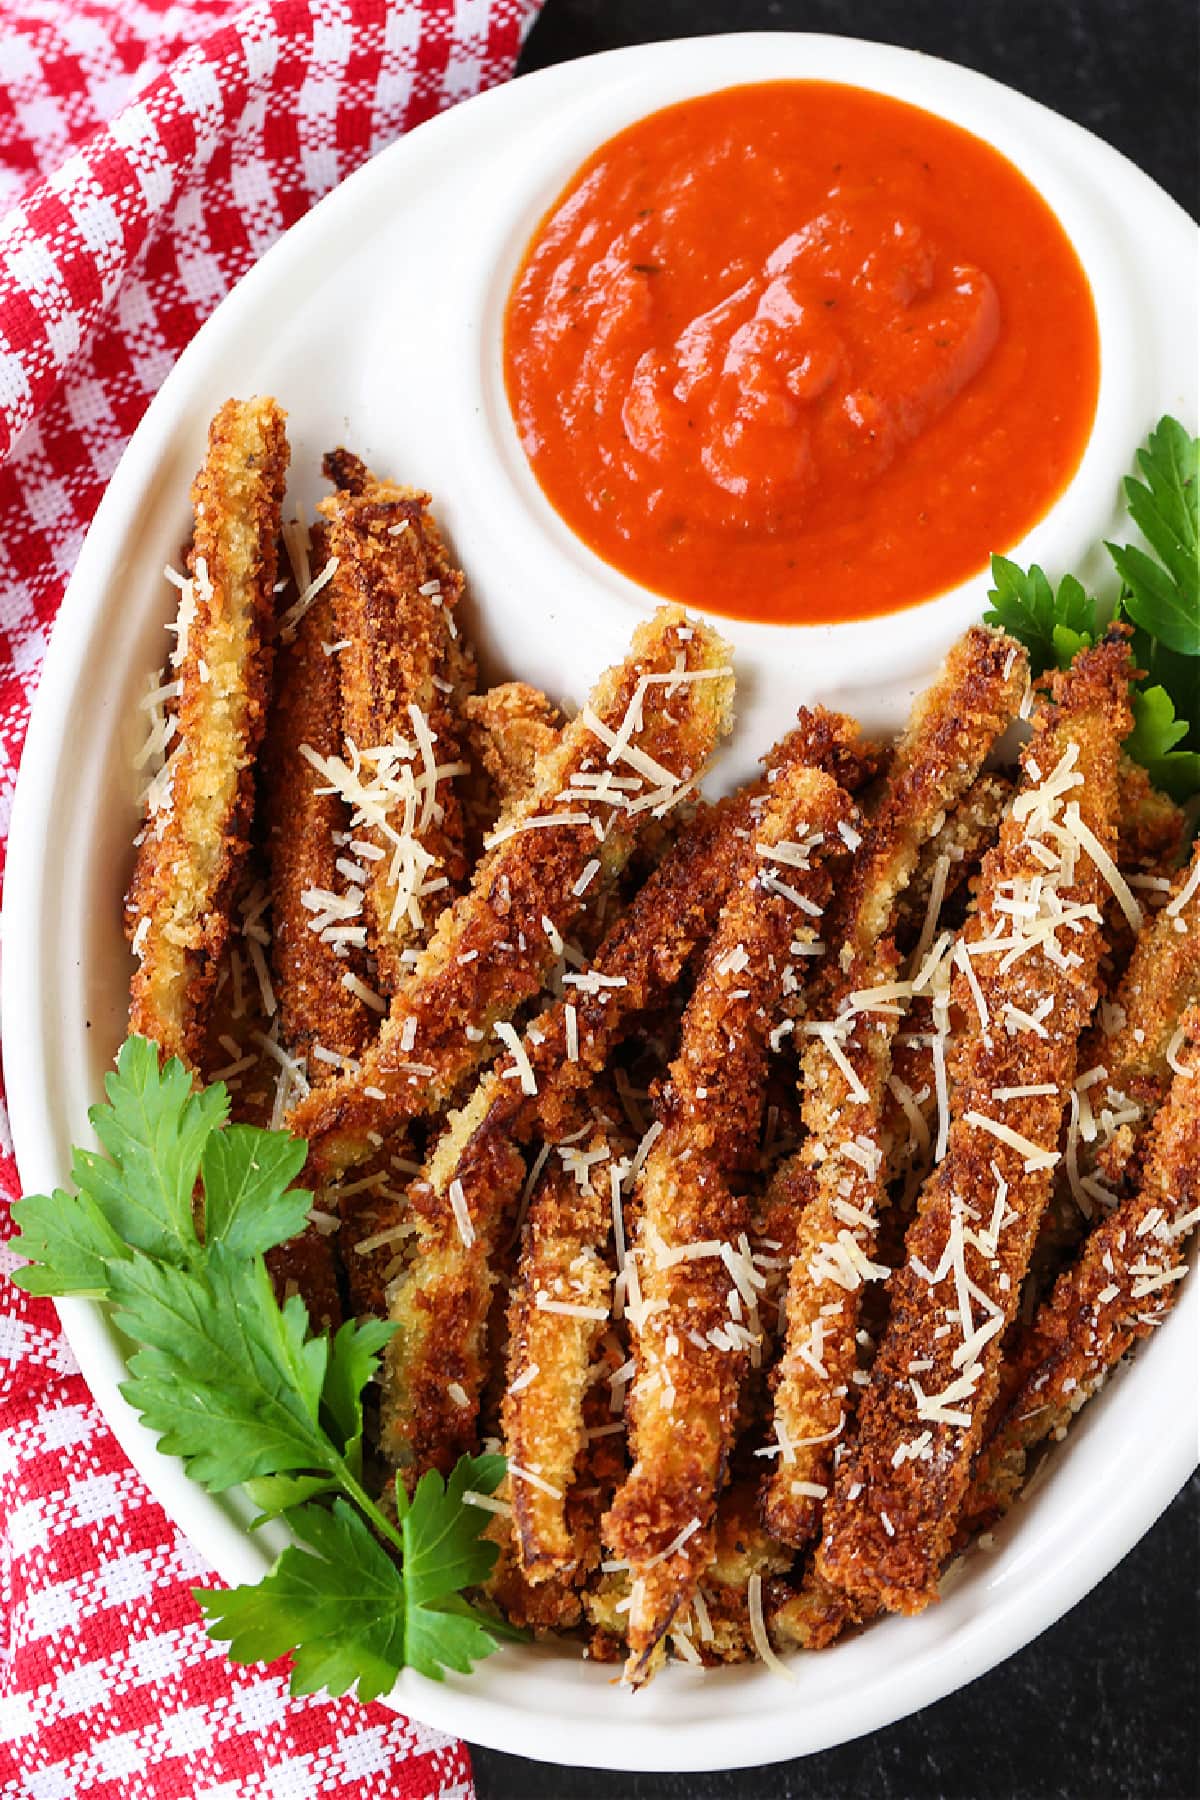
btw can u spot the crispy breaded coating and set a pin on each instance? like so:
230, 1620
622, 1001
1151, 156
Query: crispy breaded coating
912, 1108
716, 1629
193, 848
442, 1305
559, 1310
847, 1064
1123, 1283
551, 1606
1152, 828
491, 951
832, 1256
812, 1615
901, 1484
950, 858
1136, 1026
691, 1288
403, 673
510, 727
302, 820
972, 700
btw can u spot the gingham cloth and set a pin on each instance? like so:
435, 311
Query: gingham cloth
149, 152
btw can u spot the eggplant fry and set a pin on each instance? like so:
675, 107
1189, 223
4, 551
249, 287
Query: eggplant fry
690, 1287
659, 714
844, 1158
560, 1309
847, 1064
972, 700
743, 1581
193, 848
901, 1484
509, 727
1123, 1283
1140, 1012
403, 672
950, 858
319, 977
1136, 1026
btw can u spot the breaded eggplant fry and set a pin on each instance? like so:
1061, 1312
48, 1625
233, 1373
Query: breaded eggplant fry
1152, 828
846, 1067
319, 990
496, 947
1136, 1026
1123, 1283
690, 1285
813, 1615
972, 700
952, 855
559, 1311
832, 1252
510, 727
1036, 935
403, 673
718, 1627
194, 845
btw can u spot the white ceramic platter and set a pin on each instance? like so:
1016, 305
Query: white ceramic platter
376, 322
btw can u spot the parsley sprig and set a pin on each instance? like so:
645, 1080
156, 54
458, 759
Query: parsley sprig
170, 1226
1159, 596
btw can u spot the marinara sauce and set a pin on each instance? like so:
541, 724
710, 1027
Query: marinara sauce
799, 352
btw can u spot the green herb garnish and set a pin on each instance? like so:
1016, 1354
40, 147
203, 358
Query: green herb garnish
1160, 597
170, 1227
1052, 626
1163, 597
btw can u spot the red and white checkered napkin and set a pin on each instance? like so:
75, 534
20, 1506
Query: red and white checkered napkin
149, 153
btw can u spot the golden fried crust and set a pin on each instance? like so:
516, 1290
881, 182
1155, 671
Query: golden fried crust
193, 850
510, 727
550, 1353
491, 952
1135, 1028
301, 819
305, 1266
952, 855
683, 1404
975, 696
394, 595
1152, 827
1124, 1281
899, 1489
551, 1606
718, 1628
845, 1154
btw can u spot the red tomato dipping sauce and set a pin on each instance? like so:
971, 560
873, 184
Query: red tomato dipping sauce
798, 352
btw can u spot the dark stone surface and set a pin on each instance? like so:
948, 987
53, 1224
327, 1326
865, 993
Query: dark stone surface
1104, 1705
1126, 69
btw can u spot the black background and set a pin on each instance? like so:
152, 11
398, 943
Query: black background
1104, 1705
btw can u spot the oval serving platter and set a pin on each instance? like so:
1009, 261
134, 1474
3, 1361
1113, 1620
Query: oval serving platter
416, 386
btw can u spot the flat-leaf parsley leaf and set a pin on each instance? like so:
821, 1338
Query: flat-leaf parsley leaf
171, 1228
